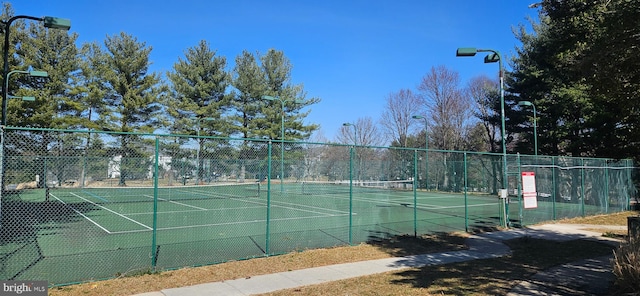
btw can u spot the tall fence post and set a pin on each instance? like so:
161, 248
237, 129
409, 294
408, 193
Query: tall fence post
466, 205
426, 164
606, 186
415, 193
553, 186
520, 197
628, 165
582, 192
268, 222
154, 249
351, 195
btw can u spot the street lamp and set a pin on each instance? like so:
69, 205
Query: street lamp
5, 97
426, 146
49, 22
351, 157
355, 134
493, 57
535, 132
26, 98
282, 101
198, 172
355, 140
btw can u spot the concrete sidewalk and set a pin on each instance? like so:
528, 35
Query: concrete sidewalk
586, 277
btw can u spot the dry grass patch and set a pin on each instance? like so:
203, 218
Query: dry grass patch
604, 219
478, 277
376, 249
617, 219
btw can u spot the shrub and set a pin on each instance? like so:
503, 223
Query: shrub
626, 266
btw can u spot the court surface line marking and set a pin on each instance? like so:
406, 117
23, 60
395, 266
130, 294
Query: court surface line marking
112, 211
191, 211
308, 206
177, 203
291, 208
226, 223
94, 195
81, 214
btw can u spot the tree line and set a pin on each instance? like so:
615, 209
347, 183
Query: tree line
109, 86
578, 67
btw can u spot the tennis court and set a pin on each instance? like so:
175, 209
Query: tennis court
82, 213
126, 228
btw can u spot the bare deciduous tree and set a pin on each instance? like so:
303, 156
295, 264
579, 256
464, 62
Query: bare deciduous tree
396, 118
448, 106
484, 92
363, 132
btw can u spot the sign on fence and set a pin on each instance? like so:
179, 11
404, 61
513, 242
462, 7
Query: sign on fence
529, 194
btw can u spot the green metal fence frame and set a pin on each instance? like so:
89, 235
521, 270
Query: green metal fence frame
514, 168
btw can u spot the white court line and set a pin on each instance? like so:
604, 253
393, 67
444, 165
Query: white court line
178, 203
290, 208
123, 216
258, 203
390, 202
191, 211
434, 207
81, 214
308, 206
478, 205
227, 223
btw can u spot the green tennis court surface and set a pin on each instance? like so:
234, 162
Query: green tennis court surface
194, 225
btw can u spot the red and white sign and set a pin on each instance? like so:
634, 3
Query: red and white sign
529, 194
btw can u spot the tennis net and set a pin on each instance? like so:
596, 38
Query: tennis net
342, 187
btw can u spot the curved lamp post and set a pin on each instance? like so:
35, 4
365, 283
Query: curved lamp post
198, 135
355, 138
6, 85
426, 145
355, 134
282, 101
49, 22
535, 131
493, 57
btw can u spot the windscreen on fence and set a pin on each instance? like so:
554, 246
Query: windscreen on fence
80, 205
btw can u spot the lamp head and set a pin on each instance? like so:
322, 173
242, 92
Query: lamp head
491, 58
417, 117
466, 51
525, 103
57, 23
38, 74
269, 98
347, 124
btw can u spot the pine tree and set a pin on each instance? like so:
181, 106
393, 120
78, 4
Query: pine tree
134, 98
199, 101
199, 86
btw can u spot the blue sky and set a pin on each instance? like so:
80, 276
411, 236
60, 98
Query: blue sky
351, 54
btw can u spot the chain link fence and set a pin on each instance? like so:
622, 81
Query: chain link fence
88, 205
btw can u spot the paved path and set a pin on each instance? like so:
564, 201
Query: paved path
586, 277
